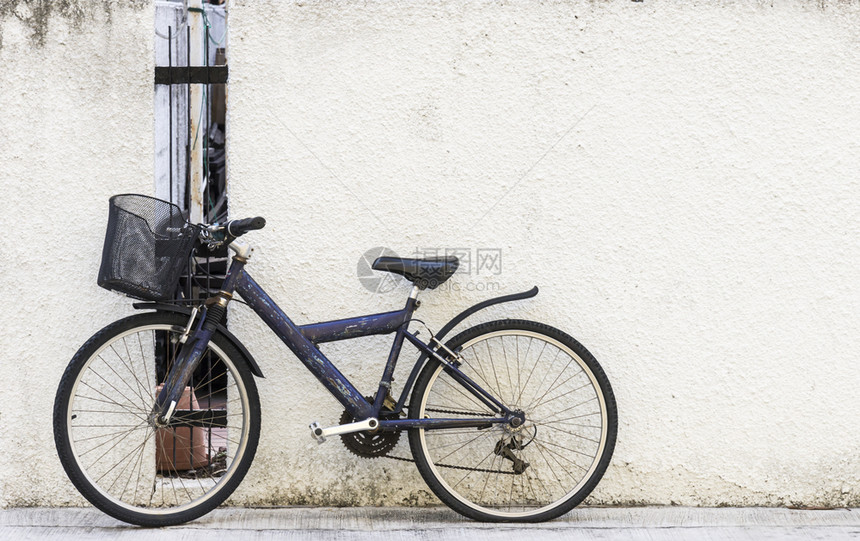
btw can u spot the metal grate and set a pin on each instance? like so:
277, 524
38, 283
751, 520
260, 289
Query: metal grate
204, 272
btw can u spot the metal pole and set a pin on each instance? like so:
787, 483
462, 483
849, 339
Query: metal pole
198, 137
170, 109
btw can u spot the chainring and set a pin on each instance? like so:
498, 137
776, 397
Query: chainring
366, 444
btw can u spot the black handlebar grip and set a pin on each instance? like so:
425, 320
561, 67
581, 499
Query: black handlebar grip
237, 228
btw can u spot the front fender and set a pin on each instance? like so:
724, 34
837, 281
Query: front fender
167, 307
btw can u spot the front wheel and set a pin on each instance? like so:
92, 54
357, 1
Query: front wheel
114, 453
534, 472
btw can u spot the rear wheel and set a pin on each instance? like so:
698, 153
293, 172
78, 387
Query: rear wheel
119, 460
531, 473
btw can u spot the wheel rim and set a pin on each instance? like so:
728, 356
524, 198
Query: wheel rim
134, 465
563, 439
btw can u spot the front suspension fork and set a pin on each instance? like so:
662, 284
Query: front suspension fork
188, 360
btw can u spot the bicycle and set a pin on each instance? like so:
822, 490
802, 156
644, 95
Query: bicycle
509, 420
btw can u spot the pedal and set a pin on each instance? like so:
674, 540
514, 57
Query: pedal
320, 434
317, 432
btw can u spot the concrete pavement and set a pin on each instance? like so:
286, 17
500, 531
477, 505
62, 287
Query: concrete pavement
381, 524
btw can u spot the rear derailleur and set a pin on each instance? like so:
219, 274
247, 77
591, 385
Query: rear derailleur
506, 450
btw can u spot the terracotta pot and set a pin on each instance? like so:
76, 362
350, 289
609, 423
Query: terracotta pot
181, 448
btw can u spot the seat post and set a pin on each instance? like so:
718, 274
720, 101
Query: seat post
412, 302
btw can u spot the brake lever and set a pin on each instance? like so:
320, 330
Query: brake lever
213, 235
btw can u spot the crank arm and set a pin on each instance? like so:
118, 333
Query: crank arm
320, 434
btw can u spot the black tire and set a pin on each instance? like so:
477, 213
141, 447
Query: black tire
100, 416
475, 471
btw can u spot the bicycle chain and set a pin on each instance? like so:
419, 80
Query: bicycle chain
462, 412
404, 459
484, 470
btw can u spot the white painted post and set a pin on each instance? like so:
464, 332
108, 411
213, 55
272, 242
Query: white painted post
198, 137
170, 162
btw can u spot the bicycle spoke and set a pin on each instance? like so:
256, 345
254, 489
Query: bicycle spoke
124, 380
546, 421
125, 433
99, 435
576, 405
131, 402
517, 352
141, 389
540, 442
481, 495
465, 444
139, 468
476, 367
493, 366
106, 452
511, 493
476, 465
461, 390
507, 368
108, 400
119, 475
542, 484
550, 468
529, 378
548, 371
562, 395
574, 434
442, 446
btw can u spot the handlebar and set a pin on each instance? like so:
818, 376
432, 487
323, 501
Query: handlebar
213, 236
237, 228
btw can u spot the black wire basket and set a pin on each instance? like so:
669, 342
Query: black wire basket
147, 247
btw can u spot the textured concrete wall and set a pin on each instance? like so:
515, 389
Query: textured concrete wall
679, 178
75, 127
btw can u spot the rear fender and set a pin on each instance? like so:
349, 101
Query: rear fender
456, 320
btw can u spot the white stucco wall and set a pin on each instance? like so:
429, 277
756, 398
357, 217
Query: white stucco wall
75, 127
679, 179
697, 229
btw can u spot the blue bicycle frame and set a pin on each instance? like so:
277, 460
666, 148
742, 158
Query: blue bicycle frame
302, 341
